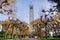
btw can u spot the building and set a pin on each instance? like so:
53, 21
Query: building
31, 13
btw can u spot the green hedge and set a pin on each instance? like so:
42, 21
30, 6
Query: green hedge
51, 39
56, 35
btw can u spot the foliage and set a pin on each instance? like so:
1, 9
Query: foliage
15, 27
51, 39
44, 26
58, 4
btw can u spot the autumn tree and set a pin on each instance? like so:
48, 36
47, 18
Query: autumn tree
38, 26
16, 27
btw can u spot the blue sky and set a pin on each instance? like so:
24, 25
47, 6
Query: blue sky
22, 9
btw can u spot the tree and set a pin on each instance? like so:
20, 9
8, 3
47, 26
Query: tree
16, 27
58, 4
4, 6
37, 26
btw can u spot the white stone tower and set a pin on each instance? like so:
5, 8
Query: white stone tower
31, 13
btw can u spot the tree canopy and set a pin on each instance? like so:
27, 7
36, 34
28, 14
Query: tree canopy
58, 4
16, 27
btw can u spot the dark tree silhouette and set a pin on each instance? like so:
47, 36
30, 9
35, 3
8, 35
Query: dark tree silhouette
58, 4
